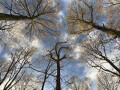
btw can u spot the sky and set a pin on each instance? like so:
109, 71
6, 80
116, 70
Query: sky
81, 69
84, 70
42, 46
45, 44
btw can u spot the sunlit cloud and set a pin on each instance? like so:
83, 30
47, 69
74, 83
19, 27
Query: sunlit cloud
36, 43
91, 73
78, 51
61, 14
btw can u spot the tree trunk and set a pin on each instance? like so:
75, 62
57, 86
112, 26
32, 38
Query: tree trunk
4, 16
43, 84
58, 84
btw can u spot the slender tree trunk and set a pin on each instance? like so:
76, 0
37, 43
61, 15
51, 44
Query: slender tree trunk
0, 76
44, 81
4, 16
58, 84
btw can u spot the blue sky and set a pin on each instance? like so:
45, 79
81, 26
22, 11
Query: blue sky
75, 67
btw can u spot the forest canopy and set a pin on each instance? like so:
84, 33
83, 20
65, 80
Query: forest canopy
59, 45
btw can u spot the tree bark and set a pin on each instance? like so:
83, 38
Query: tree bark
4, 16
44, 81
58, 84
103, 28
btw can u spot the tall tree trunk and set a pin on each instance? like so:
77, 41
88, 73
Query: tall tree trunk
43, 84
58, 84
4, 16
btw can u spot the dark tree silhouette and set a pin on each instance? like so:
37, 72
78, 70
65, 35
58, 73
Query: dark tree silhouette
58, 54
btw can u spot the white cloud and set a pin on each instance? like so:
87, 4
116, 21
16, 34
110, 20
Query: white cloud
78, 51
7, 57
61, 14
36, 43
91, 73
107, 66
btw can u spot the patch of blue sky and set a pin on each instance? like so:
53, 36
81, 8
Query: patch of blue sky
72, 68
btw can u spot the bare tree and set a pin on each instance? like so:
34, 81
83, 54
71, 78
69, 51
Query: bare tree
58, 54
44, 68
49, 65
28, 82
107, 81
11, 71
39, 16
102, 53
86, 16
75, 83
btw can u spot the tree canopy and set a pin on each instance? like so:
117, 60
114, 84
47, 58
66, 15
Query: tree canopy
81, 51
39, 16
86, 16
